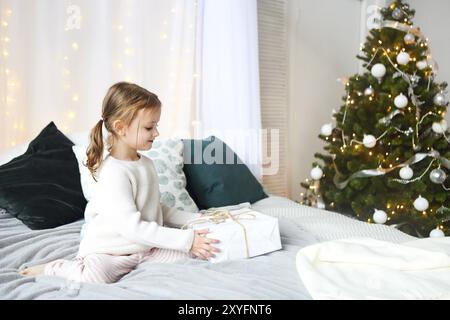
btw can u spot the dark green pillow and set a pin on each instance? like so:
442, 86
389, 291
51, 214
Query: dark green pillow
212, 181
42, 187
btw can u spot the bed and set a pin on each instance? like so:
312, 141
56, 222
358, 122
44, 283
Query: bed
271, 276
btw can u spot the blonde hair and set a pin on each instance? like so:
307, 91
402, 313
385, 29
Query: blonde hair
122, 102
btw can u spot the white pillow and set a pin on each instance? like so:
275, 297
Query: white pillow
167, 156
87, 182
80, 138
11, 153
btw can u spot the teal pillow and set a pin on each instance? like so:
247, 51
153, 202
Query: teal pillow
216, 176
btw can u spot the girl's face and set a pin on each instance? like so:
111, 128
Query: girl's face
143, 130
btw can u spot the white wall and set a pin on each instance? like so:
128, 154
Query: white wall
433, 19
324, 41
324, 38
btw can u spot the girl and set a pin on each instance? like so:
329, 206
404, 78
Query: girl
124, 219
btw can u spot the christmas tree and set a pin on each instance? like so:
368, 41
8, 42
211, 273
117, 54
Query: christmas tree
387, 156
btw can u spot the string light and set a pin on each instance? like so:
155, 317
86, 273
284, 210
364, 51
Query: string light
71, 98
12, 137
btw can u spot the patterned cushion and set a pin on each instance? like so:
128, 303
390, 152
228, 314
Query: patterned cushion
167, 155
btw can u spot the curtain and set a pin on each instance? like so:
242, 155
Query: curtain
59, 57
229, 88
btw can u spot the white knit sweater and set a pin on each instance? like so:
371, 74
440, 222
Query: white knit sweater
125, 216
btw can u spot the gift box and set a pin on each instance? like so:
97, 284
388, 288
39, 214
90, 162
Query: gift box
243, 233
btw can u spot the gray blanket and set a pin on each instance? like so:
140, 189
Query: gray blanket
271, 276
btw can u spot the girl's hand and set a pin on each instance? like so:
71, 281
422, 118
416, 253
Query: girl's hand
201, 245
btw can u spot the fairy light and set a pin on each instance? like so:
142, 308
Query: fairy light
71, 97
11, 87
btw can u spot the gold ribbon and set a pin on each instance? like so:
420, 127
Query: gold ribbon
217, 216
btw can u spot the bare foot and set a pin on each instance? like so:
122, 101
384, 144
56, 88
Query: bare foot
33, 271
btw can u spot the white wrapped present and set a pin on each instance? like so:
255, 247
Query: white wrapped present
243, 233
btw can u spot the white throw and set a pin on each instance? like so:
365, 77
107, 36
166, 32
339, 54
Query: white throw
365, 268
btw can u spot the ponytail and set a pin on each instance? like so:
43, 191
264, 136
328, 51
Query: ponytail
95, 150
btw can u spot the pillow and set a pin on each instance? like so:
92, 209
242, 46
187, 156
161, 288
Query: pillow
42, 186
87, 182
215, 182
12, 153
167, 156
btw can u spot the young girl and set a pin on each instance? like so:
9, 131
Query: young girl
124, 219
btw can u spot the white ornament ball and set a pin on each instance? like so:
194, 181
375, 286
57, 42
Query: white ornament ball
409, 38
439, 127
439, 99
437, 233
326, 129
369, 91
406, 173
397, 13
438, 176
320, 204
401, 101
378, 70
422, 64
421, 204
369, 141
316, 173
403, 58
380, 216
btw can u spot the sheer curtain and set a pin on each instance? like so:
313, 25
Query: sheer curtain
59, 57
229, 89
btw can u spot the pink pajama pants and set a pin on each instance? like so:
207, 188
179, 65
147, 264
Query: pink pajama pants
106, 268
